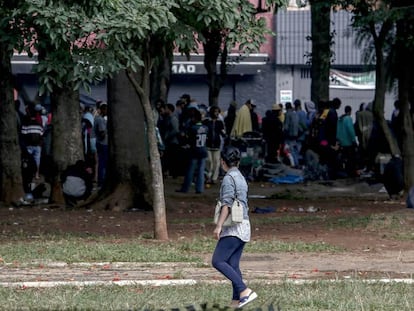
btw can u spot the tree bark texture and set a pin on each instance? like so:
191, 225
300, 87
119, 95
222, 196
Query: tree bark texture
66, 135
11, 187
212, 47
161, 69
321, 50
128, 172
405, 82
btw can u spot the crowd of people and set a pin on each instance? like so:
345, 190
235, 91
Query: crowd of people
316, 139
191, 136
34, 132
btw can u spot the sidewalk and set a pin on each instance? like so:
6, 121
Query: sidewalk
269, 268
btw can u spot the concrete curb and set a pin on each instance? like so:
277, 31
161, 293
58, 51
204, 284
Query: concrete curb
45, 284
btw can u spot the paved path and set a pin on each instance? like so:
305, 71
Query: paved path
266, 268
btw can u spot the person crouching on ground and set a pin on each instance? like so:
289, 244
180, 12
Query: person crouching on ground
76, 183
232, 239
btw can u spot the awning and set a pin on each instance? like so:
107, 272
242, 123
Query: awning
237, 64
23, 64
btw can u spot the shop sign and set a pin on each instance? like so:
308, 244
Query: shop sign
286, 96
183, 69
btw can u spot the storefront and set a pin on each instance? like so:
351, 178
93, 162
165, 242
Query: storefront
247, 77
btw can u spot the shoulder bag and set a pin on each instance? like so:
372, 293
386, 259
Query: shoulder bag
236, 210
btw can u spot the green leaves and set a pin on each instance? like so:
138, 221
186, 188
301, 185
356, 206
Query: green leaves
84, 41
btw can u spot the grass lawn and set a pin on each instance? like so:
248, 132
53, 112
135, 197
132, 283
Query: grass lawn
321, 295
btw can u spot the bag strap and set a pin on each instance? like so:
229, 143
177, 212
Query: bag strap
235, 188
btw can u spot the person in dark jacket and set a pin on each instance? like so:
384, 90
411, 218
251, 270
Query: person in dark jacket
76, 183
215, 135
197, 150
230, 117
272, 129
32, 137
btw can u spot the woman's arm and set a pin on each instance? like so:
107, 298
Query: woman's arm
223, 215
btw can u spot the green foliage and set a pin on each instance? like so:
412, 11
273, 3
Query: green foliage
236, 20
84, 41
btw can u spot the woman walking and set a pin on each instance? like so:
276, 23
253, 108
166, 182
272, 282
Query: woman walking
231, 239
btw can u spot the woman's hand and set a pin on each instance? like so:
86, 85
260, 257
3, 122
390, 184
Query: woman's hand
217, 232
223, 215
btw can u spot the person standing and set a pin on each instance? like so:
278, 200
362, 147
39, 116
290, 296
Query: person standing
215, 136
255, 117
230, 117
32, 137
243, 121
100, 130
232, 239
291, 132
303, 127
170, 129
347, 141
197, 138
272, 129
364, 129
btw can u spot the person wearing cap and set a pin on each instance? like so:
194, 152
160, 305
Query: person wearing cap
100, 131
272, 129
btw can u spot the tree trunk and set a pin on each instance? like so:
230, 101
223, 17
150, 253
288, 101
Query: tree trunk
11, 187
161, 70
157, 183
128, 174
66, 135
321, 50
405, 80
381, 86
212, 47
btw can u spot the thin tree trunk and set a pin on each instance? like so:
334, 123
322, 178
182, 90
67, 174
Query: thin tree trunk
11, 187
381, 86
160, 220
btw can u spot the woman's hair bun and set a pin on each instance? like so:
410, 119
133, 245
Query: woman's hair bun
231, 155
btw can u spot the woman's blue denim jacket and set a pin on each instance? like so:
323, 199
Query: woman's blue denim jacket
234, 181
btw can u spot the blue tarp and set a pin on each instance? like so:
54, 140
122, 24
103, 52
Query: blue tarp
287, 179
